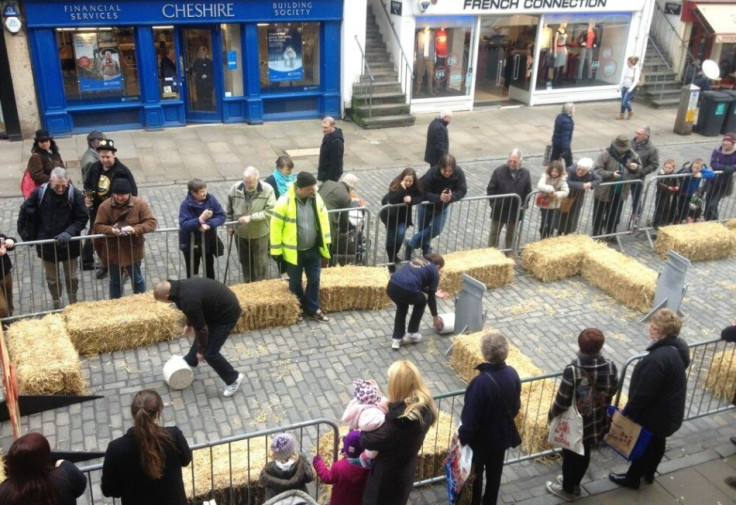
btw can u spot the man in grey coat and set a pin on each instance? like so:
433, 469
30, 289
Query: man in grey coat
649, 156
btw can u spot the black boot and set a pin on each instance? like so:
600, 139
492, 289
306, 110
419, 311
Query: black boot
622, 480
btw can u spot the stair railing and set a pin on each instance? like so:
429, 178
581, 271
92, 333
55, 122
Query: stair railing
655, 86
406, 74
664, 31
366, 87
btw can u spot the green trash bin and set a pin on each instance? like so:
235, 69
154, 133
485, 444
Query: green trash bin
713, 108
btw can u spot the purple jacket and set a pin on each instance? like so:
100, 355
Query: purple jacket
189, 213
348, 480
719, 161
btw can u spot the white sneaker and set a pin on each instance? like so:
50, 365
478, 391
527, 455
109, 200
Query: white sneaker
411, 338
556, 489
231, 388
396, 344
576, 490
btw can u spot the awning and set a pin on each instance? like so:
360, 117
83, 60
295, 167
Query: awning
722, 19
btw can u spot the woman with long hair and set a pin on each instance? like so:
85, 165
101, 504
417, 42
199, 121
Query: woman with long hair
143, 467
407, 189
411, 411
32, 479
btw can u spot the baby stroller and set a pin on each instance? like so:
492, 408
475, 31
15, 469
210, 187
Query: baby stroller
291, 497
351, 247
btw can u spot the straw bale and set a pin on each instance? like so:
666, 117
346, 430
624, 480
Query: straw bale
557, 258
245, 458
531, 421
697, 242
353, 288
731, 224
265, 304
621, 277
45, 359
466, 355
489, 266
125, 323
721, 380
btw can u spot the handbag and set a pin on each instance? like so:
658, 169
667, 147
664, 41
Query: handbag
626, 437
566, 204
542, 200
566, 430
219, 247
515, 435
27, 184
458, 465
547, 155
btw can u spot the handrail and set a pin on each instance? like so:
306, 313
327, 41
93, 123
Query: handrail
673, 30
366, 67
406, 75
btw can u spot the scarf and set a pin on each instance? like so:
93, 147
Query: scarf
283, 181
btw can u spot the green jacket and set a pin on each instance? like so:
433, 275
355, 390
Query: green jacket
259, 209
284, 229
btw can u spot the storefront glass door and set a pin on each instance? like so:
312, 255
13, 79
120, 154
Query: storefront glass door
505, 54
202, 74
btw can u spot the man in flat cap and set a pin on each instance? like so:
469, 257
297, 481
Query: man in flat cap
300, 235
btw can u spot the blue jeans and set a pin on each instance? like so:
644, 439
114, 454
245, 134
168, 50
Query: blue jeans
430, 222
394, 239
218, 336
116, 272
309, 262
626, 99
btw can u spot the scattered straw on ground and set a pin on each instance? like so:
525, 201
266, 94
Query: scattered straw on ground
622, 277
489, 266
557, 258
353, 288
234, 474
126, 323
265, 304
45, 359
698, 241
721, 380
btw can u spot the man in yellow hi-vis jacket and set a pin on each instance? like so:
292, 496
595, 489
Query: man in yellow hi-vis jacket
300, 234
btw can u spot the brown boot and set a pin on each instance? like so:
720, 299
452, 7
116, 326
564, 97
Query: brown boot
620, 116
631, 113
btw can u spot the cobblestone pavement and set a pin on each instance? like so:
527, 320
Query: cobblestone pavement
305, 371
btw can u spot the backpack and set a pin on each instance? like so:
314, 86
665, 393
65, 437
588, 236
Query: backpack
28, 217
587, 396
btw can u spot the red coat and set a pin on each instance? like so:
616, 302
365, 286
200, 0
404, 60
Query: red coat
348, 480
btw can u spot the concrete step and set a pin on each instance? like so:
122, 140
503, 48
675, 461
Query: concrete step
378, 87
383, 109
378, 98
387, 121
384, 76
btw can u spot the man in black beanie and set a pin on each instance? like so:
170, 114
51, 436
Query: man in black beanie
300, 235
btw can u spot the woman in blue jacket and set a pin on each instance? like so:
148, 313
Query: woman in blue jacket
199, 216
562, 135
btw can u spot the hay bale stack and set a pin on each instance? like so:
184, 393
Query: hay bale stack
489, 266
353, 288
621, 277
126, 323
697, 241
265, 304
45, 359
557, 258
531, 421
466, 356
721, 380
731, 224
244, 458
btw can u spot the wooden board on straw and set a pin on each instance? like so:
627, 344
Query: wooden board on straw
126, 323
265, 304
621, 277
489, 266
353, 288
45, 359
228, 473
721, 381
697, 241
557, 258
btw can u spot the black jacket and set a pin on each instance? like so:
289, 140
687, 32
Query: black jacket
123, 477
67, 478
434, 183
659, 385
485, 424
330, 156
503, 182
438, 141
562, 133
398, 442
394, 216
6, 265
205, 303
99, 181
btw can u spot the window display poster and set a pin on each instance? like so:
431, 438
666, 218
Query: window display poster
284, 55
98, 69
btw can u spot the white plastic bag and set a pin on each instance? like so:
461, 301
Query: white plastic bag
566, 430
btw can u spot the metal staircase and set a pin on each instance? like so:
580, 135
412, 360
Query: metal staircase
662, 88
379, 99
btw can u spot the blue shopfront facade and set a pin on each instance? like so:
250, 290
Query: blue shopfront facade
130, 64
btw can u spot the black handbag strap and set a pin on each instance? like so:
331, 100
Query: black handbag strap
500, 393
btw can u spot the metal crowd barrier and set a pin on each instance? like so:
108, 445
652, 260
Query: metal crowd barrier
239, 478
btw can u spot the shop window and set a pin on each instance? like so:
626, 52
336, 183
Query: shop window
232, 58
289, 56
441, 55
98, 64
582, 50
166, 58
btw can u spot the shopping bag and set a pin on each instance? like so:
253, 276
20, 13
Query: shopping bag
27, 184
626, 437
566, 204
547, 155
566, 430
542, 200
457, 468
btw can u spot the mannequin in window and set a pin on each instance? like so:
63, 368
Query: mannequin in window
441, 44
167, 69
203, 78
587, 40
560, 51
425, 54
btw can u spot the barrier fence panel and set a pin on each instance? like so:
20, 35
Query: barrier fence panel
350, 232
221, 470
